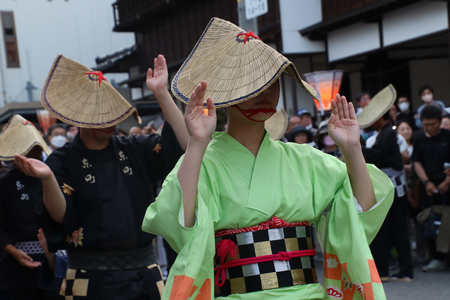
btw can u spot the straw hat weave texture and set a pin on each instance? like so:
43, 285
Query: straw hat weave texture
378, 106
19, 137
79, 96
236, 64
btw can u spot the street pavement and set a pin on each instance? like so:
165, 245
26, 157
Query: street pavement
426, 286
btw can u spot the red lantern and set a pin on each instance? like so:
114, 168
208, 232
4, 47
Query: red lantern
328, 84
45, 119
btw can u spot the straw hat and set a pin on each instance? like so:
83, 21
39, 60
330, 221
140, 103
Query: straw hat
82, 97
19, 137
277, 124
236, 64
378, 106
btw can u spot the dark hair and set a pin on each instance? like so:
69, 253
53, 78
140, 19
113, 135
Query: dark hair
298, 129
446, 116
57, 125
67, 126
397, 124
425, 87
120, 130
403, 96
360, 95
431, 112
387, 116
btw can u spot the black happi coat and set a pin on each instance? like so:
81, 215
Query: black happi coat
19, 195
107, 193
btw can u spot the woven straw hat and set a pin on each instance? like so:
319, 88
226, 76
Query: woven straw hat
236, 64
277, 124
378, 106
82, 97
19, 137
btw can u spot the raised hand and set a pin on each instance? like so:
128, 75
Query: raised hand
158, 77
33, 167
42, 240
343, 126
200, 126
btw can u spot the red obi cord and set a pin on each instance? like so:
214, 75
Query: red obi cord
274, 222
249, 113
227, 247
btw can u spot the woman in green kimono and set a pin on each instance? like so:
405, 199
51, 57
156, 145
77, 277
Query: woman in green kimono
242, 192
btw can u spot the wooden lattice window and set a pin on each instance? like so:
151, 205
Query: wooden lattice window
10, 39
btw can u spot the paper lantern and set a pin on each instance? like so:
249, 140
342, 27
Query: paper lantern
45, 119
328, 84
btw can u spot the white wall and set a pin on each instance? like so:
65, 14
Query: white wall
414, 21
297, 15
78, 29
351, 40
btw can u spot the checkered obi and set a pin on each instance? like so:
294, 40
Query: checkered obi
111, 260
264, 259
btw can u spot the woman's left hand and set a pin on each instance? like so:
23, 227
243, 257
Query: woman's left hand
158, 77
343, 126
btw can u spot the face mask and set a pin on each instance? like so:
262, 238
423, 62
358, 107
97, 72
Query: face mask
404, 106
327, 141
427, 98
58, 141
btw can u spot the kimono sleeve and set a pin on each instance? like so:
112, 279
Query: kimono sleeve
345, 234
192, 272
52, 280
60, 164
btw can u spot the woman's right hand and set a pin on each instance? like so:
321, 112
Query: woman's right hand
33, 167
200, 126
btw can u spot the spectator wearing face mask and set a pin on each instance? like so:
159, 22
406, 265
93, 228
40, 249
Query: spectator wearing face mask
405, 111
306, 120
426, 93
56, 136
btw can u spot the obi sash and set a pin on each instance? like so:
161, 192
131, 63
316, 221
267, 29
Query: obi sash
261, 258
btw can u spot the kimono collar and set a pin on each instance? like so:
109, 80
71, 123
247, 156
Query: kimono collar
235, 145
237, 154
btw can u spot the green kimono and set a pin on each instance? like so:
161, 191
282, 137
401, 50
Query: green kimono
293, 182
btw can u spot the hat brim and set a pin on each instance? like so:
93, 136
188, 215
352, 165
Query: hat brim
235, 70
76, 98
20, 137
378, 106
277, 124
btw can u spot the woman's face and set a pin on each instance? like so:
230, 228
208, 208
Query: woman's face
405, 130
301, 138
263, 106
427, 96
445, 123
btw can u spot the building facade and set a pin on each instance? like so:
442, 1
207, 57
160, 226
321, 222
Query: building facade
33, 33
375, 42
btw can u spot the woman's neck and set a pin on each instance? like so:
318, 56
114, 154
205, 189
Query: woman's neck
250, 134
92, 142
